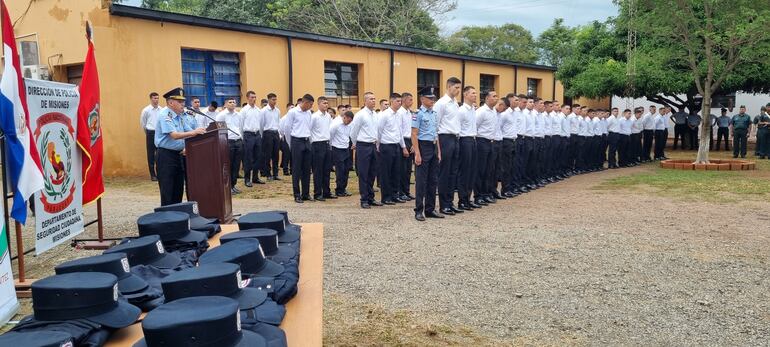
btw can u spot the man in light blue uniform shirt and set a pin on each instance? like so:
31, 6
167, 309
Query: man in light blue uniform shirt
427, 155
171, 131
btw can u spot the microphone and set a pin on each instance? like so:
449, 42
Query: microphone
192, 111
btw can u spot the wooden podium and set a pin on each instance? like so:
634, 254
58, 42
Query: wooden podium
208, 173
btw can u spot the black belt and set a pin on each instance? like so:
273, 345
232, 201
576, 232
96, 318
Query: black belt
251, 132
173, 151
468, 137
233, 141
509, 139
453, 135
364, 143
300, 138
270, 131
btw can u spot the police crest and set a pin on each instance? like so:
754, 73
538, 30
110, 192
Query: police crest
94, 124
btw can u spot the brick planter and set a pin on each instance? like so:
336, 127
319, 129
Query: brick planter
714, 165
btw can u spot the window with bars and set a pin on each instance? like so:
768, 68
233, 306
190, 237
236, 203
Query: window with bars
211, 75
533, 84
75, 74
341, 83
487, 83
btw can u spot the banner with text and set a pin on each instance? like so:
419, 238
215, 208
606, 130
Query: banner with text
53, 110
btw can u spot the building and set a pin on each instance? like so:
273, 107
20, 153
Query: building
140, 50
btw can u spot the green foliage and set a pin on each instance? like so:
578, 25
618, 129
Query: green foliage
508, 42
556, 43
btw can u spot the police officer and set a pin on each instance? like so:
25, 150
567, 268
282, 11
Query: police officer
680, 127
427, 154
741, 130
171, 131
763, 131
723, 131
693, 121
760, 139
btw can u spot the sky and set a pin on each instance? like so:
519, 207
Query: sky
535, 15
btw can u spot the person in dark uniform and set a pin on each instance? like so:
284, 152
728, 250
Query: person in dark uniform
296, 129
693, 121
763, 132
427, 154
171, 131
680, 127
760, 139
741, 131
723, 130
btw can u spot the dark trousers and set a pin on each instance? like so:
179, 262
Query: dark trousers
494, 172
285, 156
271, 143
322, 168
405, 180
170, 176
740, 137
660, 143
711, 137
603, 149
484, 166
252, 155
693, 136
679, 133
342, 164
574, 146
426, 178
448, 166
647, 136
467, 173
390, 157
634, 147
152, 152
236, 155
535, 160
624, 152
612, 140
520, 161
506, 164
366, 166
546, 160
580, 157
723, 132
526, 161
593, 151
763, 145
564, 149
301, 160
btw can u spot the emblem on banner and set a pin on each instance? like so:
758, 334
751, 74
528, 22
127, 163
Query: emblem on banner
54, 137
94, 124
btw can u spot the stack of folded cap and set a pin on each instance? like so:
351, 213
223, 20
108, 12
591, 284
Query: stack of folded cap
86, 306
197, 321
224, 279
132, 287
268, 240
209, 226
261, 273
150, 261
272, 220
37, 338
174, 230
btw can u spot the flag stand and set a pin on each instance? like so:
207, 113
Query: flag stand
100, 243
23, 285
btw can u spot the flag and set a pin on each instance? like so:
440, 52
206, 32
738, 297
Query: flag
89, 132
23, 160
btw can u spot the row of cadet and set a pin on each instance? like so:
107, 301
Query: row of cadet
235, 295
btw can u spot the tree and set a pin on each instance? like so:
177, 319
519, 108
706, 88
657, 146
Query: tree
556, 43
507, 42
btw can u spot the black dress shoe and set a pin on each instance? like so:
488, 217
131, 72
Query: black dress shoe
418, 216
448, 211
307, 198
490, 200
154, 178
456, 210
276, 178
319, 198
298, 200
388, 202
498, 196
258, 181
433, 214
399, 200
508, 194
330, 196
464, 207
410, 196
248, 184
365, 205
346, 193
375, 203
473, 204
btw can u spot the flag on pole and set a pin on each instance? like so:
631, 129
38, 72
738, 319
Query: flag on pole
89, 132
23, 161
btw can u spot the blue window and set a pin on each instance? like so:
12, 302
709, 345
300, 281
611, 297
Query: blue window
211, 76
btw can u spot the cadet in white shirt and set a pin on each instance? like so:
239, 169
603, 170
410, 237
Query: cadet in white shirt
271, 139
573, 120
508, 146
636, 136
296, 131
564, 137
613, 138
211, 112
497, 150
549, 145
539, 149
523, 146
529, 139
648, 132
252, 140
147, 119
392, 148
340, 142
320, 123
661, 133
486, 123
234, 122
363, 133
448, 117
405, 178
625, 127
467, 173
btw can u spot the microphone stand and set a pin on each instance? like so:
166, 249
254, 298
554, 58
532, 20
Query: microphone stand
188, 109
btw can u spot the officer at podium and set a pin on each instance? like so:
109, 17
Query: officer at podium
171, 131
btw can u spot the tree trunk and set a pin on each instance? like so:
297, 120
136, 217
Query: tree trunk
705, 129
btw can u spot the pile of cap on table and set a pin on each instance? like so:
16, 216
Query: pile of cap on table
230, 295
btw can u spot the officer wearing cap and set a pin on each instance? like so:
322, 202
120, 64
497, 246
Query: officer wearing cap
171, 131
741, 131
427, 155
763, 134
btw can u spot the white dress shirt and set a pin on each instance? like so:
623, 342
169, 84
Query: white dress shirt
574, 123
529, 116
547, 130
660, 122
638, 126
561, 122
467, 121
320, 122
149, 117
508, 125
406, 122
583, 126
340, 134
555, 124
252, 119
648, 121
447, 115
486, 121
539, 128
519, 121
296, 123
233, 121
389, 130
613, 125
271, 118
364, 126
498, 126
595, 130
203, 122
625, 125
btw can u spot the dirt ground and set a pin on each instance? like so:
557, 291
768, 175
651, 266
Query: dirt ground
600, 259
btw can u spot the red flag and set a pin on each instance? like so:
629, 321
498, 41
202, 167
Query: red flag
89, 133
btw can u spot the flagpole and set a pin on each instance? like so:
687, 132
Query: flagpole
99, 225
5, 191
20, 252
